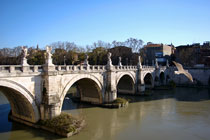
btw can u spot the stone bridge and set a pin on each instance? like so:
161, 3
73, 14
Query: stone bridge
37, 91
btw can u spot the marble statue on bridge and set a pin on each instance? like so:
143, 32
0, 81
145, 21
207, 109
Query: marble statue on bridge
48, 56
24, 54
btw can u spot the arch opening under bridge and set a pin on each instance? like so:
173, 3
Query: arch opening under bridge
22, 102
126, 85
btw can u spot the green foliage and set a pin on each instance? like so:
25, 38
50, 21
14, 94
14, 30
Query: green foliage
58, 56
36, 57
64, 123
98, 56
69, 53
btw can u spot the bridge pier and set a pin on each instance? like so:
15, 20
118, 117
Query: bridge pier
110, 90
110, 84
140, 86
50, 105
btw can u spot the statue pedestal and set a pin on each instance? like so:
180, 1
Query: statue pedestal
24, 62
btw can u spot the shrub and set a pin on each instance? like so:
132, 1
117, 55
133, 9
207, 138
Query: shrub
64, 122
120, 101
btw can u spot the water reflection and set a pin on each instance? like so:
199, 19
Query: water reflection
4, 123
182, 113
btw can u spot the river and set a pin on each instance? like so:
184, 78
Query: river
179, 114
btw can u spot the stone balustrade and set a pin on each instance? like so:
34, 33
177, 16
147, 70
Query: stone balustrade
20, 68
125, 67
144, 67
39, 68
80, 68
162, 67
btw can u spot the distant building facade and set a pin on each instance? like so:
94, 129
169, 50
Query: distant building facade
160, 52
195, 54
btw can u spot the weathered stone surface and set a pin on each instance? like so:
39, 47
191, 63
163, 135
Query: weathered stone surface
39, 92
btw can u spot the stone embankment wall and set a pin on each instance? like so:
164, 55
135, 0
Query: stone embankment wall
201, 77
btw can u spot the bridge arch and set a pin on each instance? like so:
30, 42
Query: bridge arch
87, 84
162, 78
126, 84
22, 102
148, 80
124, 74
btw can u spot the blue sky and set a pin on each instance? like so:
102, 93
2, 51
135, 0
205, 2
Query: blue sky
31, 22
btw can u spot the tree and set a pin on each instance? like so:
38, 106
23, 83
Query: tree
58, 56
10, 56
36, 56
142, 52
135, 44
100, 43
98, 56
118, 43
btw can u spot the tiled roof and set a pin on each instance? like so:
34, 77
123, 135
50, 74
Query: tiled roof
153, 45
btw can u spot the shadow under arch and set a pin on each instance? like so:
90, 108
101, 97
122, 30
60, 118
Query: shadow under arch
167, 78
126, 85
89, 88
162, 78
148, 81
22, 102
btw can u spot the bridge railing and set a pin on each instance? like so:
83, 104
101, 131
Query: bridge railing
162, 67
90, 67
148, 67
125, 67
97, 67
79, 67
39, 68
20, 68
153, 67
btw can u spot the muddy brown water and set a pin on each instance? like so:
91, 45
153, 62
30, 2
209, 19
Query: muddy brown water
179, 114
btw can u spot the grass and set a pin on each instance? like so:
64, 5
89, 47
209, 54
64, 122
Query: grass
63, 123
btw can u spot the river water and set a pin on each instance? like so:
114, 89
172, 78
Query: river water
179, 114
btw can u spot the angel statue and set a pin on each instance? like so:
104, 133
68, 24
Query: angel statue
120, 63
109, 58
139, 62
48, 55
86, 59
24, 54
48, 52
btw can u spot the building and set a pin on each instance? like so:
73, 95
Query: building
160, 52
194, 54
